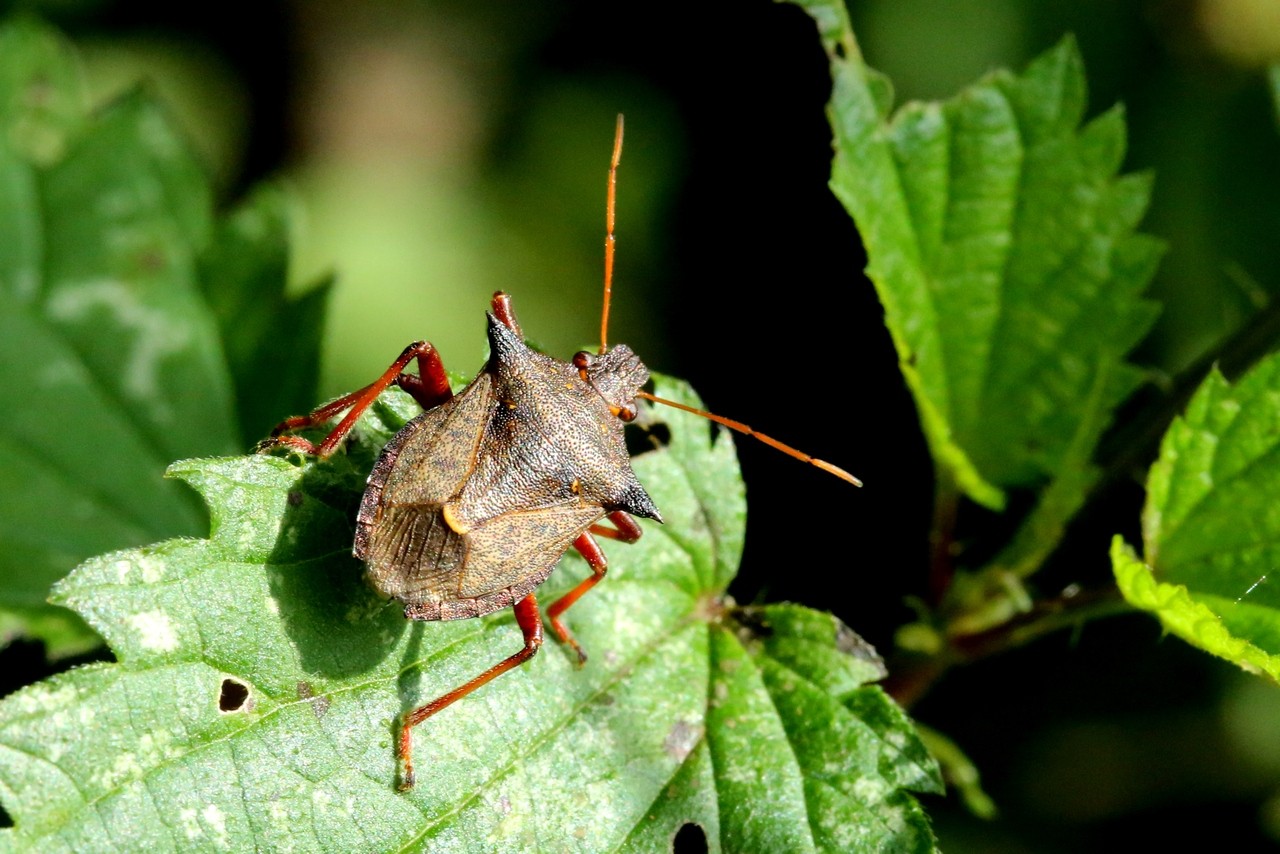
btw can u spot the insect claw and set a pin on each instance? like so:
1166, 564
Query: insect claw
295, 444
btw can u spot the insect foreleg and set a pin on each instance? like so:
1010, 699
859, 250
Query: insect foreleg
429, 388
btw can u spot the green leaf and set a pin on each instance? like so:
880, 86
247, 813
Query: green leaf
95, 329
756, 724
272, 340
1199, 619
42, 95
1211, 525
959, 771
1001, 243
125, 215
107, 345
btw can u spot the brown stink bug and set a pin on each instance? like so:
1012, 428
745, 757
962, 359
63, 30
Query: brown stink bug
472, 503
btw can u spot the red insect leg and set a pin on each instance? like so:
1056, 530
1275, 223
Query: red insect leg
506, 315
625, 529
628, 531
429, 388
531, 624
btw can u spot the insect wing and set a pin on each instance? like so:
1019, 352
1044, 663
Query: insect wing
522, 547
401, 532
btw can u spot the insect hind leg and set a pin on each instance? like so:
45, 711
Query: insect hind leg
430, 388
531, 625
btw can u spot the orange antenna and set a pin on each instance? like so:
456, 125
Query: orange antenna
747, 431
609, 243
608, 237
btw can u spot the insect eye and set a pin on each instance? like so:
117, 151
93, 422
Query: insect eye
583, 360
627, 413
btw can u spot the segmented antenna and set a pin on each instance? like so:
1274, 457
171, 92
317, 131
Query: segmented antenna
756, 434
609, 240
609, 243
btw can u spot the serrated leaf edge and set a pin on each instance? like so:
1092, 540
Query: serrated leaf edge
1182, 615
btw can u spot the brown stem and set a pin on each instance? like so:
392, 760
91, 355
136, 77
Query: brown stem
941, 540
911, 676
1045, 617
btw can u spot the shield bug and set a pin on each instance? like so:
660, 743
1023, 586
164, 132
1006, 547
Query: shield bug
473, 502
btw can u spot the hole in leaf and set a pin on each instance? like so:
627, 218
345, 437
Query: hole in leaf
5, 820
233, 696
840, 50
690, 839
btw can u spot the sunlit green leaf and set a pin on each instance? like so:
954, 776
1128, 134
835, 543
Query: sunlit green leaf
1193, 619
757, 725
1001, 243
1211, 526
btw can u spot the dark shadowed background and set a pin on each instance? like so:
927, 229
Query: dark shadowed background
440, 151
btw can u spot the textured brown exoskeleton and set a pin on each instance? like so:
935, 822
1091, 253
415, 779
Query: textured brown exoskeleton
471, 505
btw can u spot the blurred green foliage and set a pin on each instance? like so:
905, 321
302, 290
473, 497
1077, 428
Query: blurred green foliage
441, 151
